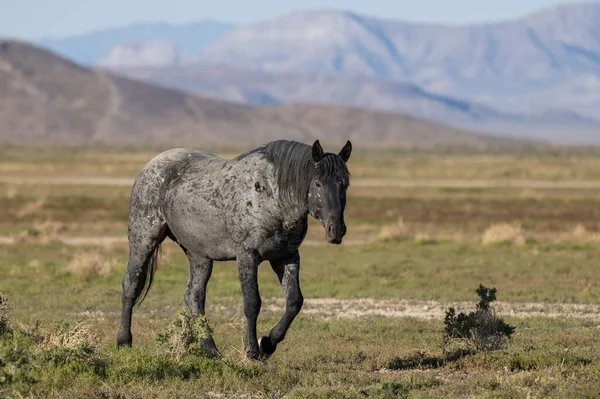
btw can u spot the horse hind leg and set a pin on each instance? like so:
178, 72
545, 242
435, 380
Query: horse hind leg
195, 295
144, 245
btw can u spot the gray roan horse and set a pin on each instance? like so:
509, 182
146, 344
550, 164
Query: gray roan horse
251, 209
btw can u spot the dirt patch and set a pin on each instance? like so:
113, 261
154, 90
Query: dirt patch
7, 240
358, 182
104, 241
327, 308
468, 183
66, 180
75, 241
334, 308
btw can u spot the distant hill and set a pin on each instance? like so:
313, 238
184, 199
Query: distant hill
494, 64
269, 88
49, 99
533, 77
91, 48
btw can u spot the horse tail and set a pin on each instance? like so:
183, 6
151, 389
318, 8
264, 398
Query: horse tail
150, 269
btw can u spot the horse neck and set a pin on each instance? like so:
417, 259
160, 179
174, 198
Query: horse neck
295, 209
293, 202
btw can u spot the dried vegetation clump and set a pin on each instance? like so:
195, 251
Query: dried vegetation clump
185, 335
91, 264
4, 314
504, 233
395, 231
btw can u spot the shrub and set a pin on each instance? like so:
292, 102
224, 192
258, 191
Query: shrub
504, 233
65, 335
395, 231
482, 329
185, 335
4, 309
88, 265
65, 351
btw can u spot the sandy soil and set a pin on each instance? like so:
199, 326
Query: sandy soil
333, 308
353, 308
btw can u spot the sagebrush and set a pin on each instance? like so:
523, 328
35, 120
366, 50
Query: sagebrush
4, 309
481, 330
25, 351
185, 335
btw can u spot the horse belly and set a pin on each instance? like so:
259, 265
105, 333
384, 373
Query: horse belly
200, 229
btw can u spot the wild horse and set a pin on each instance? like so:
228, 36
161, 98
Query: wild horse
249, 209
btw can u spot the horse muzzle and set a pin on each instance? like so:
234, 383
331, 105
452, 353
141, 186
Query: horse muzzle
335, 231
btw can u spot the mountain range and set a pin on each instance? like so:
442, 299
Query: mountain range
89, 49
537, 76
46, 98
270, 88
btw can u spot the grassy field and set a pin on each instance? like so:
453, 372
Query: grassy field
583, 164
408, 248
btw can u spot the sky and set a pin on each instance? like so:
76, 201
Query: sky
35, 19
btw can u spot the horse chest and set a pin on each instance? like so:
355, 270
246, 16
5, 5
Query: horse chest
284, 238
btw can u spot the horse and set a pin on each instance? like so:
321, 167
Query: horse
248, 209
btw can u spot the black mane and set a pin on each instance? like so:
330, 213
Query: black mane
295, 168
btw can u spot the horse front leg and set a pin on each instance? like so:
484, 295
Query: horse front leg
288, 272
247, 262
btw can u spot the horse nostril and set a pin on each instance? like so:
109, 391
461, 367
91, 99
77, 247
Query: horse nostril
331, 228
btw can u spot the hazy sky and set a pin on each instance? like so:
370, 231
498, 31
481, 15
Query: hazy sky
30, 19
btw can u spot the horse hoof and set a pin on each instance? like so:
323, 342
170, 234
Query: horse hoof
214, 354
210, 348
266, 347
251, 355
124, 339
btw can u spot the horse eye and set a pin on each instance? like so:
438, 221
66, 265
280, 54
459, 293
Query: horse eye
317, 184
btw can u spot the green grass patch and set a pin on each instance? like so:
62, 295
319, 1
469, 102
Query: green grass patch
319, 359
407, 270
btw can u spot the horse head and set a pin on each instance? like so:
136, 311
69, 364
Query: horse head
327, 191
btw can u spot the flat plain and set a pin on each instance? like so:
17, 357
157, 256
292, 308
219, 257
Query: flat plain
425, 228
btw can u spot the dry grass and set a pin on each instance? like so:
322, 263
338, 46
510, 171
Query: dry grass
515, 234
70, 337
580, 234
395, 231
185, 335
400, 231
11, 192
31, 207
577, 234
50, 228
45, 232
91, 264
4, 310
504, 233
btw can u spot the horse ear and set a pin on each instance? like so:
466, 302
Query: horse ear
346, 151
317, 151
